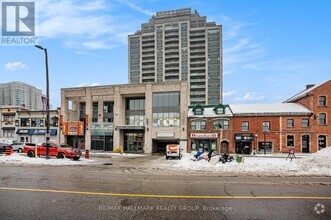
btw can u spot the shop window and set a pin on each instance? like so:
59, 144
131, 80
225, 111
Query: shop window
321, 141
305, 123
37, 122
25, 122
198, 125
322, 119
290, 141
245, 126
322, 100
290, 123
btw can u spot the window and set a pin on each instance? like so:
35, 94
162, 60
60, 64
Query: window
82, 111
223, 122
322, 119
290, 141
322, 100
25, 122
220, 110
321, 141
135, 111
37, 122
290, 123
244, 126
266, 126
305, 123
166, 109
108, 112
95, 112
198, 125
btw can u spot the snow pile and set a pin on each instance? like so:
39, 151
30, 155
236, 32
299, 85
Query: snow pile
116, 154
23, 160
317, 164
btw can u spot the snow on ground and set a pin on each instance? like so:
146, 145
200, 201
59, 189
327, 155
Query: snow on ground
317, 164
24, 160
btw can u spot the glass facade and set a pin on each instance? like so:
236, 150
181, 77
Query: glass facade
166, 109
135, 111
134, 141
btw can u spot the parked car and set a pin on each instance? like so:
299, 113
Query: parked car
55, 149
174, 150
18, 146
3, 147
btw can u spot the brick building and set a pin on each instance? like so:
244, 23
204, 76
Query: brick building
317, 98
208, 126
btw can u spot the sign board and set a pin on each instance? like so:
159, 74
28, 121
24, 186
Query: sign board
73, 128
165, 134
243, 137
204, 135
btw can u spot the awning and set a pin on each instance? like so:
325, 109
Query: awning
130, 127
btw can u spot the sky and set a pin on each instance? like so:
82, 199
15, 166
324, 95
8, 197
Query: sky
271, 49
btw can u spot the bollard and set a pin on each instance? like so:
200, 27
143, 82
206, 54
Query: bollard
9, 151
35, 151
87, 154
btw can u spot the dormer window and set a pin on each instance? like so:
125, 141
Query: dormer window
198, 110
219, 109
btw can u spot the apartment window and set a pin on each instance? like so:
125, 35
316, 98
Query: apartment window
9, 118
290, 123
37, 122
198, 125
25, 122
244, 126
322, 100
322, 119
290, 141
305, 123
266, 125
82, 111
223, 122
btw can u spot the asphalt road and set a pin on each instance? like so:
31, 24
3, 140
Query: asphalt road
107, 192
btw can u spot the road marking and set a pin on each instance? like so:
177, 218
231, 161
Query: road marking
166, 196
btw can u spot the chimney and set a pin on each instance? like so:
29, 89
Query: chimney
309, 86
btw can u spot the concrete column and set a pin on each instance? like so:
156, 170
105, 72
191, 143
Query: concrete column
148, 119
88, 103
119, 113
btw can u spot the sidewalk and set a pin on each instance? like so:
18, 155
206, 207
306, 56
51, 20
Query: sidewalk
277, 155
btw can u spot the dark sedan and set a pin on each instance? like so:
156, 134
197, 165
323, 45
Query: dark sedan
3, 147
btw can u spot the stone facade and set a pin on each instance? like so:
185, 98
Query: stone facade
153, 136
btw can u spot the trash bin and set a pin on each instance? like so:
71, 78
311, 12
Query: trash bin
239, 158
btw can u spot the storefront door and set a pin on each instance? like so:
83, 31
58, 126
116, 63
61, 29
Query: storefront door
305, 143
134, 141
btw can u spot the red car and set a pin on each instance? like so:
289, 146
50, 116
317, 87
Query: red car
55, 149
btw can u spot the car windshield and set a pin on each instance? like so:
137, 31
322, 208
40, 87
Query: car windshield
64, 145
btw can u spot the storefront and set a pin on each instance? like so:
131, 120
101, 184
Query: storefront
36, 135
74, 133
243, 143
205, 141
102, 137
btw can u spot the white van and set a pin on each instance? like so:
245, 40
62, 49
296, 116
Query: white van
173, 150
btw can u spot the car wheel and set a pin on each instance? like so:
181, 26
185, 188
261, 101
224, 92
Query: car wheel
61, 156
76, 158
30, 153
20, 150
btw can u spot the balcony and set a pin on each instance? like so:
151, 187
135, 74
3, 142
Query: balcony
198, 80
198, 74
148, 49
202, 86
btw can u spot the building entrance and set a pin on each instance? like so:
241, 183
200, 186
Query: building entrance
134, 141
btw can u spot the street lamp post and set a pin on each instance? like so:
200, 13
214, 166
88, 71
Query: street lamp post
221, 137
47, 101
265, 147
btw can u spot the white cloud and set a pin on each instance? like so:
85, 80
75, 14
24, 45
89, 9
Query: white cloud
86, 84
229, 93
250, 96
136, 7
15, 66
82, 25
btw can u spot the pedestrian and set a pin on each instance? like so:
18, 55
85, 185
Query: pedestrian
210, 153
